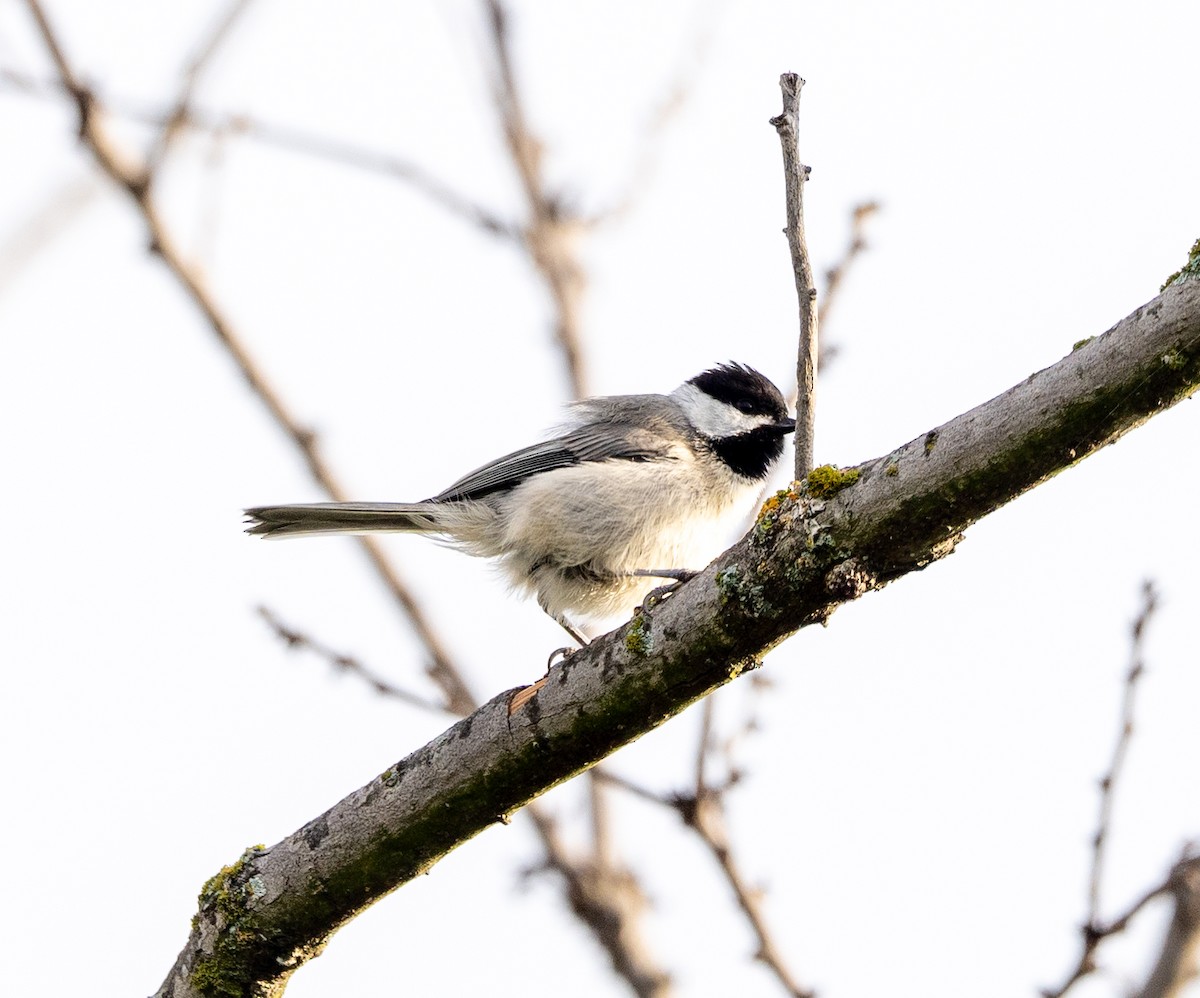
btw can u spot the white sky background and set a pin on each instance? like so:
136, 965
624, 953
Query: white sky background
922, 792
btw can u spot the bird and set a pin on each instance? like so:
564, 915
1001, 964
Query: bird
630, 489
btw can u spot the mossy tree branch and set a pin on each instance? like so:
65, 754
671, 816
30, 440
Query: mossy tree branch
811, 550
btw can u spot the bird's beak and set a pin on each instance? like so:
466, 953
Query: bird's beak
786, 425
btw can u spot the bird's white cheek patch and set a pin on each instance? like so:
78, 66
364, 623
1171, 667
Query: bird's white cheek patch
713, 418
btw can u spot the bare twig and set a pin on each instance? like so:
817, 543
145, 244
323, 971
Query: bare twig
297, 141
205, 52
1094, 931
553, 229
1108, 783
610, 901
703, 811
795, 175
706, 814
1094, 935
836, 274
133, 177
294, 638
704, 746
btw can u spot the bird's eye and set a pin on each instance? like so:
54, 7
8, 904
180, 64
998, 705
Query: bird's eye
744, 405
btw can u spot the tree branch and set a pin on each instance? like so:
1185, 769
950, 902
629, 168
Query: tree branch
705, 814
199, 62
276, 908
795, 175
292, 140
342, 662
551, 235
1093, 931
1108, 783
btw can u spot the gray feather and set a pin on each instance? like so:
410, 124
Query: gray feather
340, 517
629, 434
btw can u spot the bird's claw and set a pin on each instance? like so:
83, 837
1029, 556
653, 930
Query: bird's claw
559, 653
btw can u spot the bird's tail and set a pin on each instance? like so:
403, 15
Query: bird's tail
344, 518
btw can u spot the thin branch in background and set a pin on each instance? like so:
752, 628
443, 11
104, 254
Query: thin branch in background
704, 813
292, 140
1092, 940
704, 746
133, 177
836, 274
1094, 931
1108, 783
610, 901
48, 220
661, 117
342, 662
205, 52
208, 199
795, 175
553, 229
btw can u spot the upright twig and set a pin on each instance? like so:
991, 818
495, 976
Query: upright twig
133, 177
1094, 931
1108, 782
795, 174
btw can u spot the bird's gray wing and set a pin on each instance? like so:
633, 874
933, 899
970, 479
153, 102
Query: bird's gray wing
588, 443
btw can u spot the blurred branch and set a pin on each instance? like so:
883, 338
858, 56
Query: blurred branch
795, 176
1108, 783
553, 229
295, 141
703, 811
836, 275
649, 144
1094, 931
178, 115
609, 900
134, 178
705, 814
45, 222
345, 663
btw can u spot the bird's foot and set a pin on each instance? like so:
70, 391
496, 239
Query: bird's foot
656, 596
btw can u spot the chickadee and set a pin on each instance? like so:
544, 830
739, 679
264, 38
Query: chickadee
633, 488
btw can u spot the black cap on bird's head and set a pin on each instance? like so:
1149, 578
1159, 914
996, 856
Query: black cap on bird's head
746, 389
742, 415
